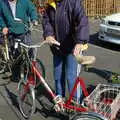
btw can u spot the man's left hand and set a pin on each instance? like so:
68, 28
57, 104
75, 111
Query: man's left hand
77, 49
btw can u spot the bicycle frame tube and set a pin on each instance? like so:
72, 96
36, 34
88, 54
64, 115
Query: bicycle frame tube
68, 104
42, 80
71, 107
78, 80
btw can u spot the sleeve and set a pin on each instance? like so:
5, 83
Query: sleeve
47, 27
81, 23
32, 11
2, 23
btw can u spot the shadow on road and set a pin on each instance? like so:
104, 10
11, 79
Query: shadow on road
12, 97
105, 74
95, 41
46, 102
51, 113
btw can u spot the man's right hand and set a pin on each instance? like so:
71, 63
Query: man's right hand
51, 40
5, 31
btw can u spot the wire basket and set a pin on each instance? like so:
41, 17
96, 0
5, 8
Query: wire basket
105, 100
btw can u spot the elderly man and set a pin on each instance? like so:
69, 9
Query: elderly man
65, 21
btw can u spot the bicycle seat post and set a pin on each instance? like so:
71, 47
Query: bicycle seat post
35, 54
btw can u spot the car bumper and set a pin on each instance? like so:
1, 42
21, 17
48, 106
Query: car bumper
109, 34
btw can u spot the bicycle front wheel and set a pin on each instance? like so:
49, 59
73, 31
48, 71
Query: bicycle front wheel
26, 99
87, 116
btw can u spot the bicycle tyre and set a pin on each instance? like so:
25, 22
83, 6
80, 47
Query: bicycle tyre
26, 100
87, 116
40, 67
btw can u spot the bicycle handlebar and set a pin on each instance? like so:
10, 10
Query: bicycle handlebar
36, 45
84, 60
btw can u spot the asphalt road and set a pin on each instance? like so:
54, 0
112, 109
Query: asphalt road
107, 61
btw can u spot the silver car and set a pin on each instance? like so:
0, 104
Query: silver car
110, 29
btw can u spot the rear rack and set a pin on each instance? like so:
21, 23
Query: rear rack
105, 100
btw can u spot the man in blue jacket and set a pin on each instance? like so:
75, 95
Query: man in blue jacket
65, 21
15, 15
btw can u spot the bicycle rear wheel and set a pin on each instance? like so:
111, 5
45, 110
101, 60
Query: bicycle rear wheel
26, 99
87, 116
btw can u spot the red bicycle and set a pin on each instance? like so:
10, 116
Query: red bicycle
32, 77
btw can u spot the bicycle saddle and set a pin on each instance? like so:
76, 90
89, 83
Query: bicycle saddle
85, 60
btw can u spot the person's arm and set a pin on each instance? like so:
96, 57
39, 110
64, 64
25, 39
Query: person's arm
2, 23
81, 27
3, 26
47, 27
48, 32
32, 11
81, 23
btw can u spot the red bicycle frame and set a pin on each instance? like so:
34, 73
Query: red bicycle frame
66, 105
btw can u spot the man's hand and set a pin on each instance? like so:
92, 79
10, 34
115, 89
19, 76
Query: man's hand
77, 49
51, 40
5, 31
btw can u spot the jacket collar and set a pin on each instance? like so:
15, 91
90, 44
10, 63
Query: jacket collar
53, 3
